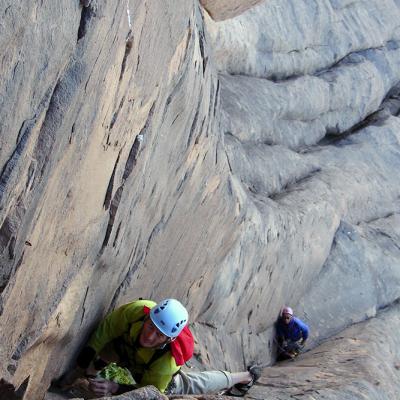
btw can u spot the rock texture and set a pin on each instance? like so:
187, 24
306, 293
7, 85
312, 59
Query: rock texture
360, 363
224, 9
147, 150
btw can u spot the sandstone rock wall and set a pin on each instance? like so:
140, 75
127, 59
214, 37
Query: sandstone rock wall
309, 115
149, 151
224, 9
85, 190
360, 363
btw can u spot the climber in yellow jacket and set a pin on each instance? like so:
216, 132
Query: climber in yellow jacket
153, 341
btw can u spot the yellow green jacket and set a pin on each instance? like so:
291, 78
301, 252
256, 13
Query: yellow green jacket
125, 324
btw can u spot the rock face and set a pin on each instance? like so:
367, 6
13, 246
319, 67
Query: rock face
224, 9
360, 363
150, 151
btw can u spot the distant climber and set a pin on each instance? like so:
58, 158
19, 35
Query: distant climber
291, 334
144, 343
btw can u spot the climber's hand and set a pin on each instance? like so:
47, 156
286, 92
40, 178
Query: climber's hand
103, 387
69, 378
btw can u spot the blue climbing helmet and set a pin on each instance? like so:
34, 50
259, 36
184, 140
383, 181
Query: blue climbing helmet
170, 317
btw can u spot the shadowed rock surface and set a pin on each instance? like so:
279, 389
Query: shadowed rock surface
147, 150
360, 363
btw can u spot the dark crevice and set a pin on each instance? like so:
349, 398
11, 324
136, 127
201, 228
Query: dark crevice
197, 140
194, 122
290, 187
249, 316
8, 240
72, 134
30, 176
62, 97
6, 233
342, 61
128, 48
201, 45
210, 107
11, 248
22, 345
115, 115
189, 36
205, 323
216, 99
176, 89
138, 62
87, 14
11, 368
187, 175
22, 140
156, 230
132, 158
107, 199
129, 166
134, 152
117, 234
22, 388
8, 392
388, 306
112, 213
380, 217
25, 126
389, 106
204, 310
336, 137
83, 305
229, 162
176, 117
5, 279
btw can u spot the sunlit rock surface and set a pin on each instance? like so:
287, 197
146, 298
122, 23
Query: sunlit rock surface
150, 151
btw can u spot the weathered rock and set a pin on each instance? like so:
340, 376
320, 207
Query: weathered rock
65, 205
130, 168
301, 111
361, 363
361, 275
144, 393
224, 9
279, 39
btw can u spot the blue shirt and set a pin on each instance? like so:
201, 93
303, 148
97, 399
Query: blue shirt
294, 331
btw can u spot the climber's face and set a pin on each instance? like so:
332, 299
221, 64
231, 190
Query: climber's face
150, 336
286, 318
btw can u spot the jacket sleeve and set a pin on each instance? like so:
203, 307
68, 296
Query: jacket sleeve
305, 330
117, 323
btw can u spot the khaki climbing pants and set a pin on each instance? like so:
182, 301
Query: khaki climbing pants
200, 382
185, 382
